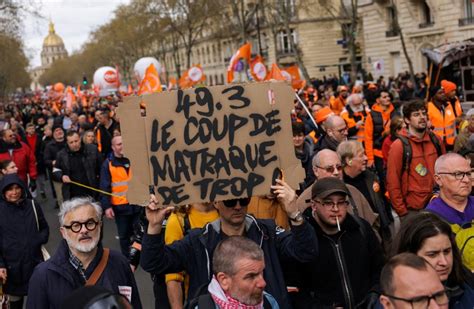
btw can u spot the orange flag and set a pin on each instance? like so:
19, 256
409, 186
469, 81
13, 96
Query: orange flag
191, 77
296, 81
258, 69
151, 81
70, 97
130, 89
242, 53
78, 91
183, 81
172, 83
275, 73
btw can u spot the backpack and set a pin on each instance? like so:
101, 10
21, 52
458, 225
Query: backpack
465, 241
408, 151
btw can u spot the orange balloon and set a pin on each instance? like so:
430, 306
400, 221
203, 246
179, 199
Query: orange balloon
59, 87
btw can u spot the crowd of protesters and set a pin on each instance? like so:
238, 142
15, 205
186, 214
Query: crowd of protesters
382, 218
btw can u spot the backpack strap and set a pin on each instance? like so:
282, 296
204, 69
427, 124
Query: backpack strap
99, 269
436, 143
407, 153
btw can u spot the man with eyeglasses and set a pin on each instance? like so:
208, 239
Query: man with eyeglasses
350, 257
327, 163
455, 204
194, 253
408, 281
336, 133
80, 260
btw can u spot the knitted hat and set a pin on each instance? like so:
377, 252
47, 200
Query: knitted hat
323, 114
448, 86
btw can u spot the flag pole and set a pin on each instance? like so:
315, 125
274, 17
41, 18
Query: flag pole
306, 109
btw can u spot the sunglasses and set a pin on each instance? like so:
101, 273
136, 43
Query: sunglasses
232, 203
330, 169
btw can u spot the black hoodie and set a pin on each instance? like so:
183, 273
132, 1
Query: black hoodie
20, 240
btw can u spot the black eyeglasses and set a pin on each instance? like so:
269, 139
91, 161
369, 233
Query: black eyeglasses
458, 175
331, 168
76, 227
422, 302
331, 204
232, 203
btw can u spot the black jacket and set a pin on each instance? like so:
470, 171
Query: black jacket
55, 279
347, 268
20, 240
325, 142
91, 162
51, 150
377, 200
194, 253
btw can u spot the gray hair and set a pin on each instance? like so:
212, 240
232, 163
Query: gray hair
348, 149
352, 97
470, 113
317, 157
442, 160
330, 123
74, 203
229, 251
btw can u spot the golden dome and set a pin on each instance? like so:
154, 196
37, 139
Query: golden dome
52, 39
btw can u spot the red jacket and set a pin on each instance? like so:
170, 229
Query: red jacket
411, 189
23, 157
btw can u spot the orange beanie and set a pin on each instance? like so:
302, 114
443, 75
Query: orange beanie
448, 86
323, 114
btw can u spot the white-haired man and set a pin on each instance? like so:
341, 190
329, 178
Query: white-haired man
80, 260
455, 204
354, 115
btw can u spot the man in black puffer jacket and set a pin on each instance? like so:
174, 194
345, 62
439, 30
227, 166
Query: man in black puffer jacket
79, 163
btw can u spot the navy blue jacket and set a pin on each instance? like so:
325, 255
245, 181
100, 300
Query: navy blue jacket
194, 253
56, 279
20, 240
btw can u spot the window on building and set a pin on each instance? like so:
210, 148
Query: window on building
283, 42
392, 21
427, 18
211, 81
468, 17
208, 54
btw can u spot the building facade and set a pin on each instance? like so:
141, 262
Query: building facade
424, 23
53, 50
313, 29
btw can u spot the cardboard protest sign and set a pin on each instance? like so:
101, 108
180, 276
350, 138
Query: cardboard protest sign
209, 143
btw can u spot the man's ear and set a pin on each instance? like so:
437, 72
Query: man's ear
437, 179
63, 232
385, 301
224, 280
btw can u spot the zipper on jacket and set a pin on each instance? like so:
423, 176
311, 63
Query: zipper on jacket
345, 281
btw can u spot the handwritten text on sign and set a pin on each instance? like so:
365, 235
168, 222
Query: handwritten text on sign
214, 143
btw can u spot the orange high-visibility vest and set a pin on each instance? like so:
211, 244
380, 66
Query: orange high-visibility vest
444, 125
119, 183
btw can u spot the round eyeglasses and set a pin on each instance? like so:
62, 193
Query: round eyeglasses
76, 227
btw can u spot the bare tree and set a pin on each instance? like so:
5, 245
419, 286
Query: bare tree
281, 14
345, 13
187, 18
396, 27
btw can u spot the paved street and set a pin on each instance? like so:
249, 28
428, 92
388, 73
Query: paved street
110, 232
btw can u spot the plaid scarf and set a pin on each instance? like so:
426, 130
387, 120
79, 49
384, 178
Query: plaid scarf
225, 301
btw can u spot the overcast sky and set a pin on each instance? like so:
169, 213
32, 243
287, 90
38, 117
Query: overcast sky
73, 20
